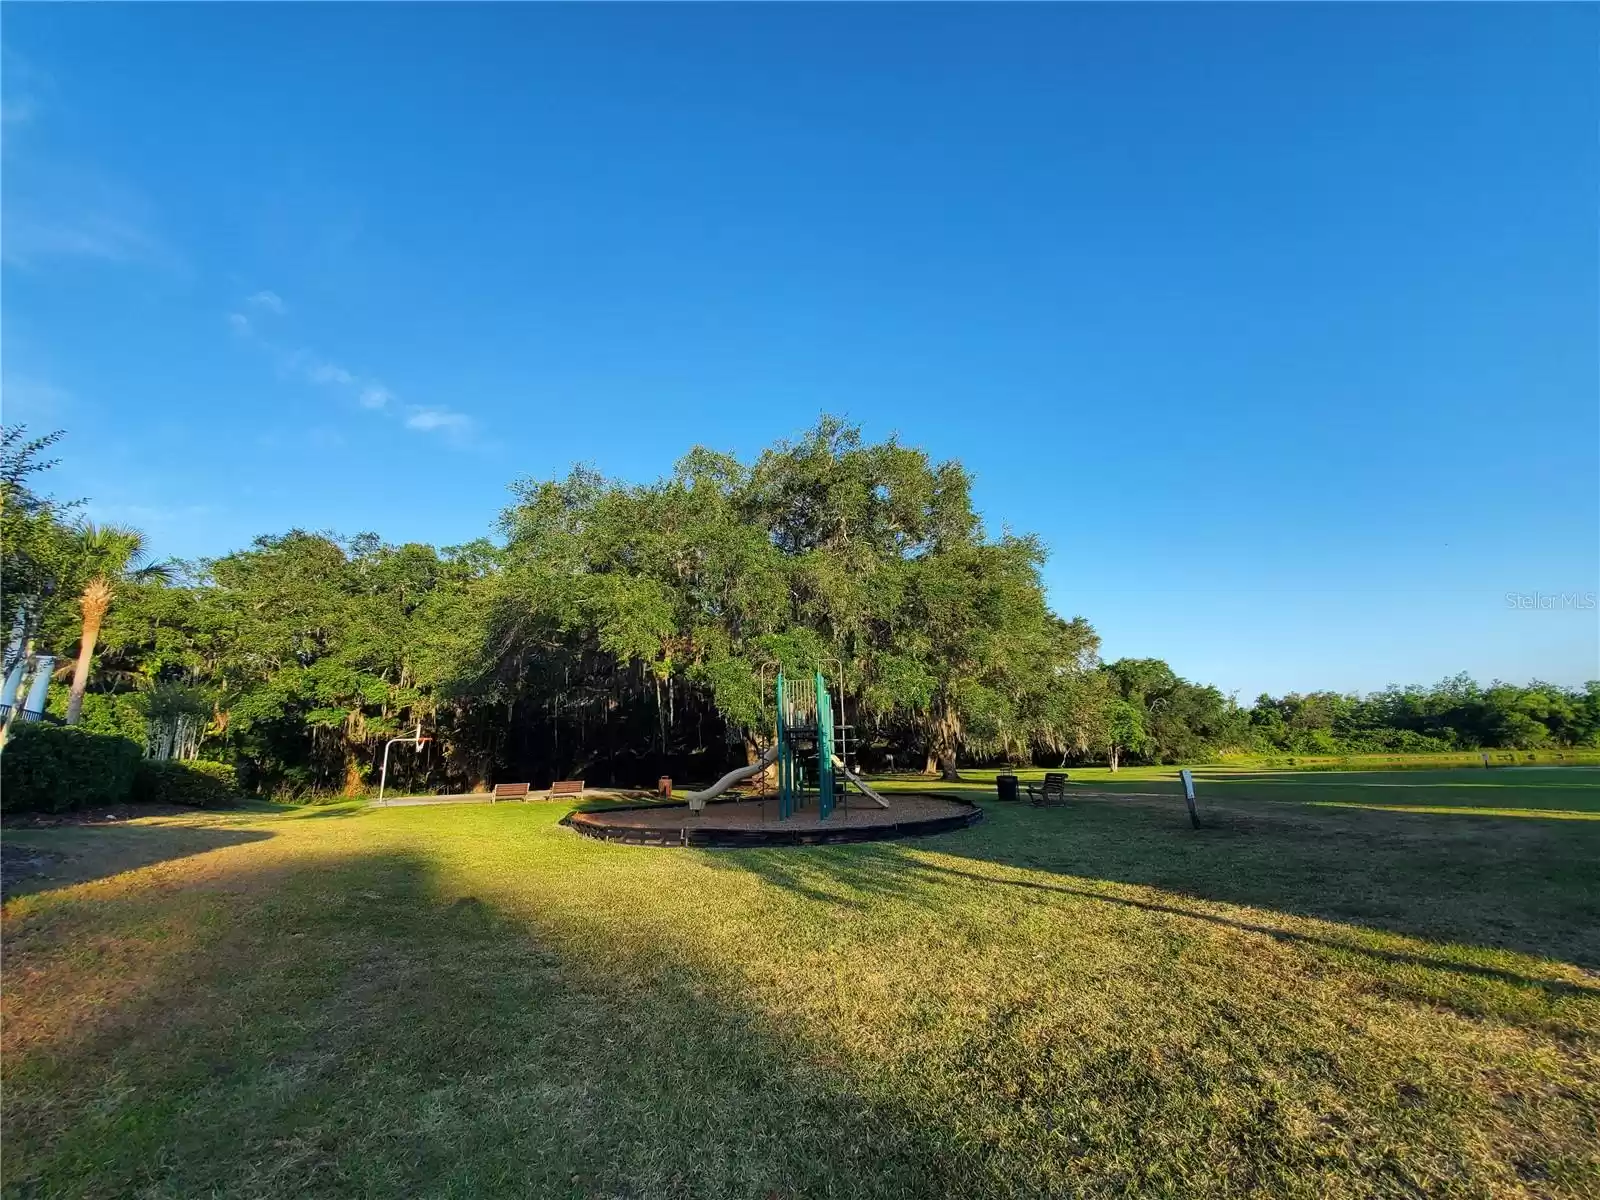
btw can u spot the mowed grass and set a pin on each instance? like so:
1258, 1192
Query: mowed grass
1556, 793
1314, 995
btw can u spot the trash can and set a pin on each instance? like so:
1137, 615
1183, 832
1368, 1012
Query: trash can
1005, 787
664, 787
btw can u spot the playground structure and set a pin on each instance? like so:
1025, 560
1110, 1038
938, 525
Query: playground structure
808, 749
810, 753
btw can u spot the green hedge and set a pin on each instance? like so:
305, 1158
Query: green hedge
197, 784
48, 768
119, 713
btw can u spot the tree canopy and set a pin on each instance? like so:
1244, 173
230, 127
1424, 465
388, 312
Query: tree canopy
618, 630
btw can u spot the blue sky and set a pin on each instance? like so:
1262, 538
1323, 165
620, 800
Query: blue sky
1277, 323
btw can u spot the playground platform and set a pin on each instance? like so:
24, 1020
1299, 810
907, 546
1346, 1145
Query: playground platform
755, 822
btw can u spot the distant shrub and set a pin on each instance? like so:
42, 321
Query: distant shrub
48, 768
195, 784
1404, 741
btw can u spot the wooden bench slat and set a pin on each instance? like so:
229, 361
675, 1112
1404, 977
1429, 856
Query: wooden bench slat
1054, 788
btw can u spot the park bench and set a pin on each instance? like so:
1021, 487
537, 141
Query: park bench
510, 791
566, 787
1052, 791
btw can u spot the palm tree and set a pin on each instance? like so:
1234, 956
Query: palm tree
106, 555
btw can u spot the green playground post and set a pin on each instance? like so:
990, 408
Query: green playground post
824, 749
794, 732
785, 759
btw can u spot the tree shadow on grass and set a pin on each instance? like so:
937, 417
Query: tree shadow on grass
544, 1024
34, 860
1502, 884
326, 812
1554, 986
357, 1027
1553, 796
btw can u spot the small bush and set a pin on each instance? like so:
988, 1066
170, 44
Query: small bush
48, 768
196, 784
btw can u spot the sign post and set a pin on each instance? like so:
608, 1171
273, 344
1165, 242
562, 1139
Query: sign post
1188, 795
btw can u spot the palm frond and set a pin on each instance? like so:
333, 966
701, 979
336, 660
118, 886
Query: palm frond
110, 550
162, 572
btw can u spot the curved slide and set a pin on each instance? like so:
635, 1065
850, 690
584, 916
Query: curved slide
838, 765
697, 800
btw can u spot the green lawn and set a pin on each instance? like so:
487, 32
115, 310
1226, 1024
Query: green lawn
1344, 985
1558, 793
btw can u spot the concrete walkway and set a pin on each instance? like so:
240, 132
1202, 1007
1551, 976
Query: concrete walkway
488, 798
412, 801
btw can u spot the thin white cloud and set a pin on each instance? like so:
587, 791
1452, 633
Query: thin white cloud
59, 208
446, 420
370, 393
327, 372
456, 428
30, 238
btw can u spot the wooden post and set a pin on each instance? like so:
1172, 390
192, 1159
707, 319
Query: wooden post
1188, 796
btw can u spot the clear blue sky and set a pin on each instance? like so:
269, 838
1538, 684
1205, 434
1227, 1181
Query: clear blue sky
1278, 323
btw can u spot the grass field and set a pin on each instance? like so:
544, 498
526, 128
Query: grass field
1344, 985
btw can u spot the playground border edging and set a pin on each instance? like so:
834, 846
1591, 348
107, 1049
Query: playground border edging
730, 839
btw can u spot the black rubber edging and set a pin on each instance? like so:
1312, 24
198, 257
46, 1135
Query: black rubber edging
728, 839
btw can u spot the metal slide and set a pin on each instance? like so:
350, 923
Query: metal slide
697, 800
858, 781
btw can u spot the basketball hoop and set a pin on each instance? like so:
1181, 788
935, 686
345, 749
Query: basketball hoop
416, 741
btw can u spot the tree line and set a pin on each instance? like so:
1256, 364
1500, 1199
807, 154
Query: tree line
616, 631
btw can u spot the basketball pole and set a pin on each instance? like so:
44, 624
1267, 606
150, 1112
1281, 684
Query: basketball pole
415, 739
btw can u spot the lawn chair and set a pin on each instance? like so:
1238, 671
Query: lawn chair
1052, 791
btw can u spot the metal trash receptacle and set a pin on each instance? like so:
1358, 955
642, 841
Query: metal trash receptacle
1005, 787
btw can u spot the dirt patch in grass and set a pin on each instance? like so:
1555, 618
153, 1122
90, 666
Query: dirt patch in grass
106, 814
21, 863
